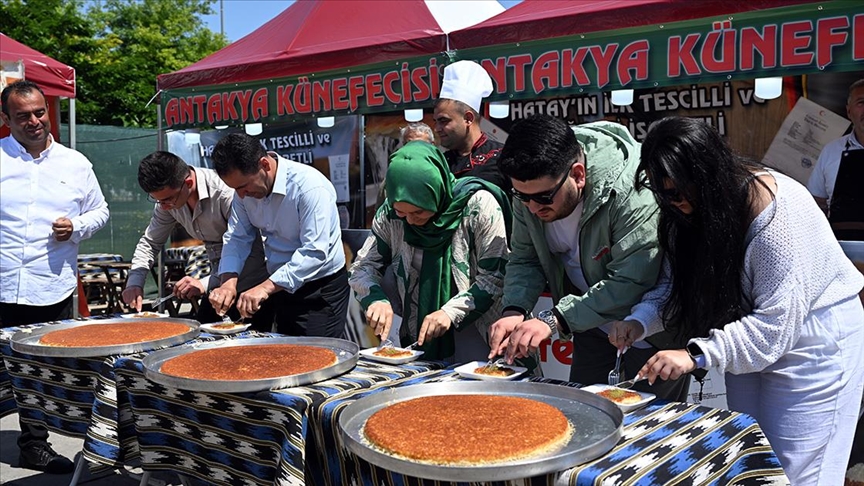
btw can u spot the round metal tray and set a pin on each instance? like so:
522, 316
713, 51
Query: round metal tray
346, 358
596, 421
27, 342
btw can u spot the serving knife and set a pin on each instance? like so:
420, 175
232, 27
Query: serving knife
156, 303
629, 383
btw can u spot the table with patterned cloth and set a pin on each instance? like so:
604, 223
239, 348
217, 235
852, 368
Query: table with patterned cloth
268, 437
663, 443
76, 397
193, 259
291, 436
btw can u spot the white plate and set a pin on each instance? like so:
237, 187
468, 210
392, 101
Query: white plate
467, 370
369, 353
646, 397
232, 330
146, 315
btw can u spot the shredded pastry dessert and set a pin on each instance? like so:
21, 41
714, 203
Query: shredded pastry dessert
393, 353
493, 370
240, 363
467, 430
90, 335
227, 325
146, 314
619, 395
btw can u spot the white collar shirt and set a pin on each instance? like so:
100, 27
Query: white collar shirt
824, 175
35, 268
299, 223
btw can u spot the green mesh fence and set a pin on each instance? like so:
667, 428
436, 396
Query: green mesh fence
115, 153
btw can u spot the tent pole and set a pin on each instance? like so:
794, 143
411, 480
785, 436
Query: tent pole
159, 259
72, 142
73, 139
362, 156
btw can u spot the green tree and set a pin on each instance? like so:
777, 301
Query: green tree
56, 28
117, 47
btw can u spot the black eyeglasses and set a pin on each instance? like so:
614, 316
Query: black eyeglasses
543, 198
171, 201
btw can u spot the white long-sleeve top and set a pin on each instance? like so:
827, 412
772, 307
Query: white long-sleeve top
793, 268
35, 268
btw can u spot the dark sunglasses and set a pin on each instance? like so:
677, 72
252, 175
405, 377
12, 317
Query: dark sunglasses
670, 195
543, 198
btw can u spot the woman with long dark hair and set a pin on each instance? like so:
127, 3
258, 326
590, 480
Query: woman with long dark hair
756, 281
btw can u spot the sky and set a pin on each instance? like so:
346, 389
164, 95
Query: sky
243, 16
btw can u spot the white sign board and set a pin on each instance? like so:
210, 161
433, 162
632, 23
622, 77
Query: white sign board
806, 129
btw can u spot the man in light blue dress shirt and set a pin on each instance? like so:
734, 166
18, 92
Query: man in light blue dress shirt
294, 207
51, 201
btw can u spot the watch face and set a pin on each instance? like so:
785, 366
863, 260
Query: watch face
694, 350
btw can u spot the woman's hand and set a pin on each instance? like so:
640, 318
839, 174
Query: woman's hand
434, 325
668, 365
379, 315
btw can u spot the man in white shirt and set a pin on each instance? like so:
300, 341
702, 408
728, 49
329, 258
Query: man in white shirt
51, 201
294, 207
198, 200
835, 182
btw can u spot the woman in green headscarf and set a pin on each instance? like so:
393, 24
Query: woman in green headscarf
447, 240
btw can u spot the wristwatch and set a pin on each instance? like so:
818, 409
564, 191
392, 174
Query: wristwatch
696, 354
550, 319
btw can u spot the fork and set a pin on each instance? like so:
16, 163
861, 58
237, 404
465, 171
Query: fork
385, 343
494, 363
615, 375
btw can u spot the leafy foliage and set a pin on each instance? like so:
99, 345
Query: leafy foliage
117, 48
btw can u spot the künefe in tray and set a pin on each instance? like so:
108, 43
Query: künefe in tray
467, 430
240, 363
99, 335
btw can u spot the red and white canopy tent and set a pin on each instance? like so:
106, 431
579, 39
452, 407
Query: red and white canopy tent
327, 42
56, 79
615, 44
545, 19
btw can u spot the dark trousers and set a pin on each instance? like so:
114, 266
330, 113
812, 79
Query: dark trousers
261, 321
318, 308
594, 357
20, 315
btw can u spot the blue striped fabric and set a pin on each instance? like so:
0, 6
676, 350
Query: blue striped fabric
243, 438
76, 397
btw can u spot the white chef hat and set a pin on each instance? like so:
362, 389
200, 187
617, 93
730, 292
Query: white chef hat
466, 81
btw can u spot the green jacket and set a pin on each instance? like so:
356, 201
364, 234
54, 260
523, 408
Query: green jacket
618, 245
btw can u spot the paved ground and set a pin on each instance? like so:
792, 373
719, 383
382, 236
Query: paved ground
12, 475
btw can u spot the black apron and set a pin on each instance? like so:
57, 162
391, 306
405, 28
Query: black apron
846, 213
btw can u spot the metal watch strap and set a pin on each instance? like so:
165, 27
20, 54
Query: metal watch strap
550, 319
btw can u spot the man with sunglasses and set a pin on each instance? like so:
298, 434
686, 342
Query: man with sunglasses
587, 235
198, 200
